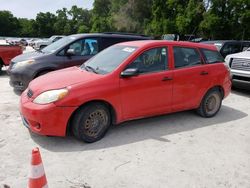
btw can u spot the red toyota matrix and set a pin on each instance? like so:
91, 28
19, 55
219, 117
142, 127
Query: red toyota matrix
126, 81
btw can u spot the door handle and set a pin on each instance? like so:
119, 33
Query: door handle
166, 79
204, 73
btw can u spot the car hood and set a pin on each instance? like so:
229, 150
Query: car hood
62, 78
245, 54
28, 56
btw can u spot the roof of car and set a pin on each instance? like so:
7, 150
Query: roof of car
148, 43
222, 41
114, 35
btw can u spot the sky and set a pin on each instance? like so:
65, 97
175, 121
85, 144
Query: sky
30, 8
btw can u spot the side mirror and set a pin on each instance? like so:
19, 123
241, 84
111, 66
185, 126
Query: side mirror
129, 72
70, 52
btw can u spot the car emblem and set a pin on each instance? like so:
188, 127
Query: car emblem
246, 64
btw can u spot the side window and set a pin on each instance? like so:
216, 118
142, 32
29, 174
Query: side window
85, 47
56, 39
212, 56
245, 46
153, 60
230, 49
108, 41
184, 57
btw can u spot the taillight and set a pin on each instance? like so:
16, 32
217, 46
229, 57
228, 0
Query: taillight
228, 69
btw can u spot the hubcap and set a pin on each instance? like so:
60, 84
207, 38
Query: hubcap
95, 122
212, 104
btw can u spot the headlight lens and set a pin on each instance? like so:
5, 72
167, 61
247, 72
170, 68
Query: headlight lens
50, 96
23, 63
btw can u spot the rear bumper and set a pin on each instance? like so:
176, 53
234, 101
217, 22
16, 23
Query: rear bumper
45, 119
227, 87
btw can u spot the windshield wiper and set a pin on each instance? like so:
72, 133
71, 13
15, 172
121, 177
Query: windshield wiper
90, 68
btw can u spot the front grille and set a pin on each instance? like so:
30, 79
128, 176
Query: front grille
240, 64
30, 93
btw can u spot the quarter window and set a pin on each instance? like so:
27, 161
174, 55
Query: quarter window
184, 57
212, 56
153, 60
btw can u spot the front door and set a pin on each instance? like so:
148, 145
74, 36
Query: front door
84, 49
150, 92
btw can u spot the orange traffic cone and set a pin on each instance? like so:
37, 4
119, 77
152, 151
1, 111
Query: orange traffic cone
37, 177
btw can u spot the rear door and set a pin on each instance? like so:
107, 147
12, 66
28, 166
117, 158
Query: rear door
150, 92
190, 77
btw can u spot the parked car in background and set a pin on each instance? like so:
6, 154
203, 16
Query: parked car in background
226, 47
69, 51
126, 81
17, 41
31, 42
7, 52
40, 44
239, 64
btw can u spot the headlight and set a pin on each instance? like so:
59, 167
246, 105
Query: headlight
50, 96
23, 63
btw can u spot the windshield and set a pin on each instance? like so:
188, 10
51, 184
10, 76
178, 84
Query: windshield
52, 38
109, 59
58, 44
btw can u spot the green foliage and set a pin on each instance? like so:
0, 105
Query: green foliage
215, 19
9, 25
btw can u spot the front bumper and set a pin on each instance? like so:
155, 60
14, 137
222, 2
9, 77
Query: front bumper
19, 79
240, 75
46, 119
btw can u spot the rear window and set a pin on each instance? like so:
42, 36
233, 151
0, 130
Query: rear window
212, 56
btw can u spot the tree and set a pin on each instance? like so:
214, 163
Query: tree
9, 24
80, 19
101, 14
45, 24
132, 16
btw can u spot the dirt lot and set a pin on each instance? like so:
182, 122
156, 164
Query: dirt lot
177, 150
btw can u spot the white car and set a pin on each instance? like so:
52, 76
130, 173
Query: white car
239, 64
39, 44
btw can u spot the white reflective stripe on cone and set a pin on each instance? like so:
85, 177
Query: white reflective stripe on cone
45, 186
36, 171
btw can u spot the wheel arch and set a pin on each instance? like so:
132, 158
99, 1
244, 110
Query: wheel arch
38, 73
107, 104
217, 87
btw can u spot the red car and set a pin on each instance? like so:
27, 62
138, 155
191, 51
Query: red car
7, 52
126, 81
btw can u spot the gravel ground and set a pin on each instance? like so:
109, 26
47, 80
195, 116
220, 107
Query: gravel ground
176, 150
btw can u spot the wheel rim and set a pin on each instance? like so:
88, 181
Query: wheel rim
95, 122
212, 104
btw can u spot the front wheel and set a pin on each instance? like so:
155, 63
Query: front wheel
91, 122
210, 104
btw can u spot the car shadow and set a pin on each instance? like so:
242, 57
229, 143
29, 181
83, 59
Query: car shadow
3, 73
241, 88
156, 128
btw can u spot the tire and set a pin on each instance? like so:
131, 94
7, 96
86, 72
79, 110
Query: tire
210, 104
91, 122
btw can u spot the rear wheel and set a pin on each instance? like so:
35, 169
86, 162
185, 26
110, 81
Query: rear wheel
91, 122
210, 104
